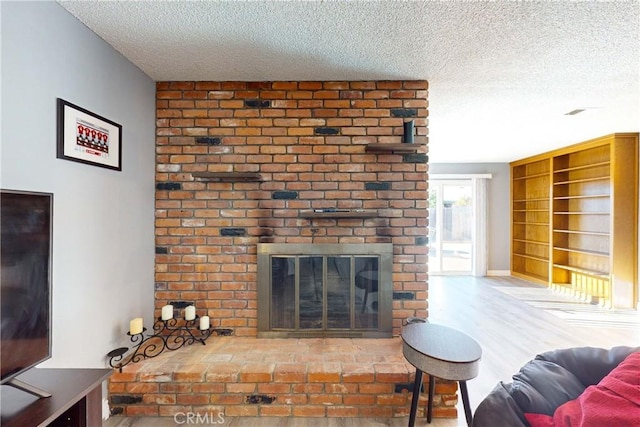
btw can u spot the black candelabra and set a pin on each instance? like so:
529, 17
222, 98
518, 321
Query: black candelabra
170, 334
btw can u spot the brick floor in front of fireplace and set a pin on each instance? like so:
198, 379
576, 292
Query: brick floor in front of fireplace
244, 376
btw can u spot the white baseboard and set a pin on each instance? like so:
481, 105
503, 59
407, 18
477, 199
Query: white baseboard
498, 272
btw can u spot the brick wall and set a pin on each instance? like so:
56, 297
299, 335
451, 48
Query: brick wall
293, 147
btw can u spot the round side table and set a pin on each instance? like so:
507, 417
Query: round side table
441, 352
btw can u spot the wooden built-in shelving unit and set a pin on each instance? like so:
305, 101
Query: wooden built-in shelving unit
575, 217
530, 219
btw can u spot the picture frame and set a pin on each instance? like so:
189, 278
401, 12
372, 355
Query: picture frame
86, 137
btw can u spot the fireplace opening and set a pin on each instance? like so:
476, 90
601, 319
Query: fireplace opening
325, 290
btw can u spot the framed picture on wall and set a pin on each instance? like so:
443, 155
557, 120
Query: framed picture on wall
86, 137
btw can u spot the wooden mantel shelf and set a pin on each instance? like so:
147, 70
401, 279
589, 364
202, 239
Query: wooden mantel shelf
393, 148
338, 213
227, 176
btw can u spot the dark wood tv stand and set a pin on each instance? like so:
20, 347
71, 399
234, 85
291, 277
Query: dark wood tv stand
76, 399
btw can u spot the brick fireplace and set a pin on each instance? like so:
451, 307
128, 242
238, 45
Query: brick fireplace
242, 166
243, 163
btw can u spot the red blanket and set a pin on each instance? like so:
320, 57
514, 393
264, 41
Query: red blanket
614, 402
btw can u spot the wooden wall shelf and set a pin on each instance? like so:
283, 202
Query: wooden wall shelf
393, 148
339, 214
227, 176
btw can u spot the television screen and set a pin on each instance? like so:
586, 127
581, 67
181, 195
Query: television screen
25, 280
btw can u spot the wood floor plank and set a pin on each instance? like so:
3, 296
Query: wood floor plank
512, 331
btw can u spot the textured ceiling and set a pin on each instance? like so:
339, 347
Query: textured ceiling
502, 74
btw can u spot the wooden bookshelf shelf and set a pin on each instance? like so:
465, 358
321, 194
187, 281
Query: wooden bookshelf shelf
581, 213
594, 273
582, 196
577, 181
584, 232
533, 242
532, 199
582, 251
537, 258
533, 277
587, 166
535, 175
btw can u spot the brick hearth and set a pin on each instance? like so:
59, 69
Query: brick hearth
245, 376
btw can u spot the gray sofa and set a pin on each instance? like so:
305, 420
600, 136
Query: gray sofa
545, 383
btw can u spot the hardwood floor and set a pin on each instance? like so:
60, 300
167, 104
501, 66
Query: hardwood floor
511, 319
287, 422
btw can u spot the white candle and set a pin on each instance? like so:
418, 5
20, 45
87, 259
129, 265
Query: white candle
167, 312
135, 326
190, 313
204, 323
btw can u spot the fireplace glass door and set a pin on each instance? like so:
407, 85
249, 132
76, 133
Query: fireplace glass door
324, 294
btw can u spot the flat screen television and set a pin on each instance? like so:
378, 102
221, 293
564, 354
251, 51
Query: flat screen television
25, 283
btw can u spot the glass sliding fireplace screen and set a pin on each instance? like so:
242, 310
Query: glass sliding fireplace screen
320, 290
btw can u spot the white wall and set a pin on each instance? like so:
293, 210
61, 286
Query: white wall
498, 191
103, 244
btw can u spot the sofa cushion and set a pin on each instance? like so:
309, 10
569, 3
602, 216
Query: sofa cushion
588, 364
499, 409
529, 399
615, 401
542, 386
